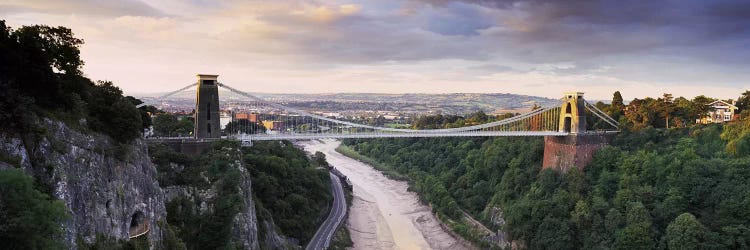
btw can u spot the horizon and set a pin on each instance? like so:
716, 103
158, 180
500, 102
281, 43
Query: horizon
535, 48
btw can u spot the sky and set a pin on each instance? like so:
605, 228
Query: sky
533, 47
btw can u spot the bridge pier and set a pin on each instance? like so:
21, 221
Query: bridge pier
577, 148
562, 153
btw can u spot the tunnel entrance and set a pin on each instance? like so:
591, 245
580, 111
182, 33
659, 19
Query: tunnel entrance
138, 225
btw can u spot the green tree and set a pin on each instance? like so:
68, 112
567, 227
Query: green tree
165, 124
112, 114
617, 100
685, 232
636, 234
319, 158
699, 107
737, 136
743, 102
145, 112
29, 219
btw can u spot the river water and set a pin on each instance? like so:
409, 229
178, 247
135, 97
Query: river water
384, 215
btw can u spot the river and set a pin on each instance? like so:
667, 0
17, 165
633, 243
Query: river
384, 215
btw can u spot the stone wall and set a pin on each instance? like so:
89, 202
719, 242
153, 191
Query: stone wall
576, 150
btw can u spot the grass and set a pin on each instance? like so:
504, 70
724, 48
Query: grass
341, 239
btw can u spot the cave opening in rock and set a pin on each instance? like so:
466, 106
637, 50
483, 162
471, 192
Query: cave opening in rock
138, 224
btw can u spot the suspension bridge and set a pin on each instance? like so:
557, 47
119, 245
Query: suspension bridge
570, 127
268, 120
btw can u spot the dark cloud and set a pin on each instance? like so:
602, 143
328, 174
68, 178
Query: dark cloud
591, 28
459, 19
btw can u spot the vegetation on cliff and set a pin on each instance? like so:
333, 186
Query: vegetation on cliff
287, 187
290, 186
29, 219
652, 188
40, 75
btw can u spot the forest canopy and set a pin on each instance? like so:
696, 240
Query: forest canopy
677, 188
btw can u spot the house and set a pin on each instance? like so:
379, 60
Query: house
274, 125
251, 117
721, 112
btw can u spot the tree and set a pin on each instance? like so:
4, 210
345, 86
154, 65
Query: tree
245, 126
685, 232
636, 234
700, 106
45, 50
29, 219
112, 114
667, 108
319, 158
165, 124
617, 100
145, 112
743, 102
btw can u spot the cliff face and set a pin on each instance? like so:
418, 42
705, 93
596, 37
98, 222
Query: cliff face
109, 191
112, 191
245, 232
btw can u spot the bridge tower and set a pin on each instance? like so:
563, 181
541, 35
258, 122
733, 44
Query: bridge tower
573, 115
578, 147
207, 108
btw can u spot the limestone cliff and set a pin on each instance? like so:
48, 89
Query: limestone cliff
204, 191
107, 188
112, 191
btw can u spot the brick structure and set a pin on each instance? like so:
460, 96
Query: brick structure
576, 149
207, 108
251, 117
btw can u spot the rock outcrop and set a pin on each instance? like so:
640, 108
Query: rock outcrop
108, 189
112, 191
246, 225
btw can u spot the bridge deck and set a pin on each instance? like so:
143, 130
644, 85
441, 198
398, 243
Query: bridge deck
272, 137
276, 137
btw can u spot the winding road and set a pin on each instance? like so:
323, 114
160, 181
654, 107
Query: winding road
322, 238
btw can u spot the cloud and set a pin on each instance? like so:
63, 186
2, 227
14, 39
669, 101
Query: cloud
459, 19
471, 44
87, 7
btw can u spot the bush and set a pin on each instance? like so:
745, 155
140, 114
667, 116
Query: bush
29, 219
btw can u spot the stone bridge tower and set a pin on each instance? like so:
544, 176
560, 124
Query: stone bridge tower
578, 147
207, 108
573, 113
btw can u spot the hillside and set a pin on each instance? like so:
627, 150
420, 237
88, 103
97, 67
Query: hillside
682, 188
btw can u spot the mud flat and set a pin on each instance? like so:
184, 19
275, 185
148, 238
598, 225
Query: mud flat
384, 215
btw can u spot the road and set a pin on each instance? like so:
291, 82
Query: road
322, 238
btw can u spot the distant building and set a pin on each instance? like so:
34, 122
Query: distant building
273, 125
722, 112
224, 119
251, 117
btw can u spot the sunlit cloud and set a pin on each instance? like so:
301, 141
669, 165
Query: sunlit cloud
532, 47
